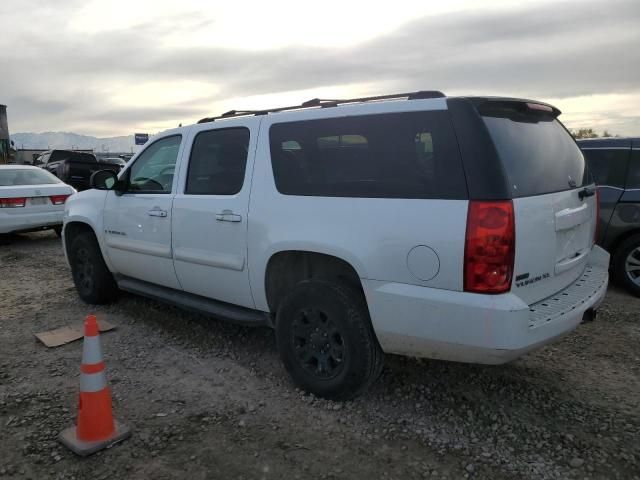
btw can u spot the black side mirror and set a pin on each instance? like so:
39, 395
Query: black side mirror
103, 180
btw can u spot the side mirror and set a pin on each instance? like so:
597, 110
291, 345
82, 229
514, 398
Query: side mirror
103, 180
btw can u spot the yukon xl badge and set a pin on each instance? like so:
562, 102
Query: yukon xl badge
523, 279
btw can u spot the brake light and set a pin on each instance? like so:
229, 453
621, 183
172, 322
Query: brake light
489, 247
539, 107
13, 202
59, 199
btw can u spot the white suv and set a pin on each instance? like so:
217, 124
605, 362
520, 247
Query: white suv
452, 228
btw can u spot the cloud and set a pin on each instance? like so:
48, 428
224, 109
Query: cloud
58, 77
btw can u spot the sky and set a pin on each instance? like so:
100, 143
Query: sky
115, 67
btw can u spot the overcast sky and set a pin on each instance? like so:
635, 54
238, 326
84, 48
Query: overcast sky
112, 67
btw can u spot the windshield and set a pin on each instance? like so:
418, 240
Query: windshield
26, 176
538, 154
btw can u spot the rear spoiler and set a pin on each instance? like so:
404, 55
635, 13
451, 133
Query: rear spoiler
518, 104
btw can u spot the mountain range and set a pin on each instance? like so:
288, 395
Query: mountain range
68, 140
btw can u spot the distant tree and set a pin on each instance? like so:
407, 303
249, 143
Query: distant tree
590, 133
584, 133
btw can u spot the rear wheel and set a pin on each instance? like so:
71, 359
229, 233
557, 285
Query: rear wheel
326, 340
92, 278
58, 231
626, 264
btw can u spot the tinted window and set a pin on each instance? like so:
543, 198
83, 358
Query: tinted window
633, 178
58, 155
218, 161
153, 170
538, 154
26, 176
608, 167
398, 155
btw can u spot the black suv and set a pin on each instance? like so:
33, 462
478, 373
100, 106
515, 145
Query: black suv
615, 165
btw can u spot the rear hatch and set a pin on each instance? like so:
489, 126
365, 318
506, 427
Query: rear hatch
554, 199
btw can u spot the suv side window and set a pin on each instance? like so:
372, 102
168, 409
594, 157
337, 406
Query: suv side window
153, 170
608, 167
218, 161
633, 179
393, 155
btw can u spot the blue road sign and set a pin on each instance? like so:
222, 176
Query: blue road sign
141, 138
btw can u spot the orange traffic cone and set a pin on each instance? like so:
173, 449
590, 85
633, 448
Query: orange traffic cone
96, 429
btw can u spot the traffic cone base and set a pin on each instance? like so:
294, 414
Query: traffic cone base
69, 439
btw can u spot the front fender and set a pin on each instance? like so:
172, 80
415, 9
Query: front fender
87, 208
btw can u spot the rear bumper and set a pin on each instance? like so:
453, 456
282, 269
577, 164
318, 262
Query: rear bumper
10, 223
466, 327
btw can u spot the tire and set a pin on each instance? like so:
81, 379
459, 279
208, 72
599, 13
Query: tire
318, 311
58, 231
626, 264
92, 278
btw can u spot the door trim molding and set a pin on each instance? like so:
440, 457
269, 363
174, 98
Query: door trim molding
137, 246
190, 255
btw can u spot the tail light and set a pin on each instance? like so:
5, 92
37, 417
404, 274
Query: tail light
489, 247
59, 199
597, 229
13, 202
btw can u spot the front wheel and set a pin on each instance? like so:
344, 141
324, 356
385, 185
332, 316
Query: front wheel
326, 340
92, 278
626, 264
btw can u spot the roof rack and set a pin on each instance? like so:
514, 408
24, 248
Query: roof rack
324, 103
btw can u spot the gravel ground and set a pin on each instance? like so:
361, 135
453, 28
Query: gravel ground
210, 400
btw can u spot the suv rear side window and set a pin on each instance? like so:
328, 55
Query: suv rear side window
538, 154
395, 155
633, 179
218, 161
608, 167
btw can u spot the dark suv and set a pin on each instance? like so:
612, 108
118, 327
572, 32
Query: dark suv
615, 165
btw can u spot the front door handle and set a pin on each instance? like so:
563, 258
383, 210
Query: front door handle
156, 212
228, 216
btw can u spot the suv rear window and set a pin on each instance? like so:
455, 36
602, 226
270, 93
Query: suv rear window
395, 155
26, 176
537, 153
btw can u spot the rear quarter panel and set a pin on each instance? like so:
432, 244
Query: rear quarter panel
374, 235
625, 219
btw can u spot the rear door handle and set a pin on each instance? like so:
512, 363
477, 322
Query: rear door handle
228, 216
156, 212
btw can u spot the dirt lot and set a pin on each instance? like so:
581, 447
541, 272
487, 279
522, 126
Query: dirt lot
210, 400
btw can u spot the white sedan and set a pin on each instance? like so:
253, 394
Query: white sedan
31, 199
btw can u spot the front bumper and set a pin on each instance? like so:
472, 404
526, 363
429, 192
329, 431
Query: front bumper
425, 322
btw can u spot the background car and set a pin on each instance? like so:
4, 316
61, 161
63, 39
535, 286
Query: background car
31, 199
615, 165
75, 168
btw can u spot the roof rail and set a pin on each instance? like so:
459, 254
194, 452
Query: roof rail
323, 103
